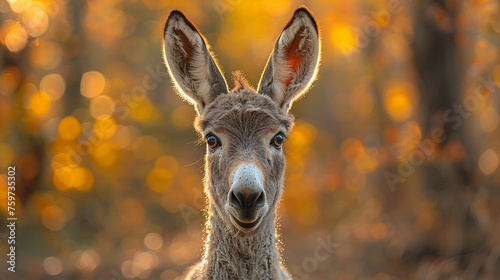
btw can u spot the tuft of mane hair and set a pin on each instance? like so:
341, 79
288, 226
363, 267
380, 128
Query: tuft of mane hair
240, 82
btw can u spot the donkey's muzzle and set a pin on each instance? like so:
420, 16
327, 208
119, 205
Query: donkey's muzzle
246, 195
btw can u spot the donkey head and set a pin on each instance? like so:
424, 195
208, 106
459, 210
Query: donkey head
244, 129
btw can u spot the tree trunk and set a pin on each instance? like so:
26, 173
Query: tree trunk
449, 181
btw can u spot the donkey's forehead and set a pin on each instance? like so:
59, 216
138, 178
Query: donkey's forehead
243, 107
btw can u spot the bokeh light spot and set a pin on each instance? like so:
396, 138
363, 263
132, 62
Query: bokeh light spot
39, 103
169, 274
489, 119
488, 161
121, 138
36, 20
102, 105
168, 163
343, 38
73, 176
105, 126
398, 103
153, 241
84, 179
351, 149
379, 230
53, 218
47, 55
53, 85
159, 180
301, 137
105, 154
142, 110
62, 179
87, 261
69, 128
92, 84
10, 78
17, 37
53, 266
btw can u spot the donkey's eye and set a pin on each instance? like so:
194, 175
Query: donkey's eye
212, 141
278, 140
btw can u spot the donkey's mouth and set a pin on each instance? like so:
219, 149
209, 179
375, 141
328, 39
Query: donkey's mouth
246, 225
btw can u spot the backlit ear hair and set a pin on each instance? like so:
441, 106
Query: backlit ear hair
294, 62
193, 69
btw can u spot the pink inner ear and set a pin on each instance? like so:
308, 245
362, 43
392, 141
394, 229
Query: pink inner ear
294, 57
186, 44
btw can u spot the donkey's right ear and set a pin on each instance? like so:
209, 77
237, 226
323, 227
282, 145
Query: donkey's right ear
294, 62
190, 63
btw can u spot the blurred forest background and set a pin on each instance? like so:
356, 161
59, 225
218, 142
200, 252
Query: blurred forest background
394, 157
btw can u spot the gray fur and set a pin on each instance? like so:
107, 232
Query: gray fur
245, 122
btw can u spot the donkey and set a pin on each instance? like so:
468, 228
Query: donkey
244, 130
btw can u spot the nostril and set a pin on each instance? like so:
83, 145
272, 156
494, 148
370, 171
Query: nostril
260, 201
234, 200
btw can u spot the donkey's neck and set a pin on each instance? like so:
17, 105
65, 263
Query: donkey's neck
232, 255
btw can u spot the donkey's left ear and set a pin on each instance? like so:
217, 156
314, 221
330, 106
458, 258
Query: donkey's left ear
294, 62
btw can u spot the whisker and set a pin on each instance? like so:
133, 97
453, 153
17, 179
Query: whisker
191, 164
